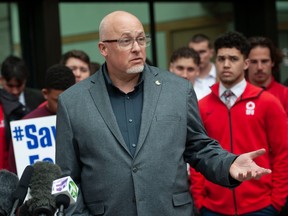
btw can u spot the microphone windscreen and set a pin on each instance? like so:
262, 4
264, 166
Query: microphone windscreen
8, 184
40, 188
21, 190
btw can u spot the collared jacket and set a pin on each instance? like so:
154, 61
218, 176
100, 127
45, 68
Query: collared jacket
91, 149
256, 120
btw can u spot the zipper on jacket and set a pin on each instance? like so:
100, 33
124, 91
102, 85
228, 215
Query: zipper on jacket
235, 202
232, 151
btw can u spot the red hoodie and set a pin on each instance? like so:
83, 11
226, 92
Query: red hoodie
256, 120
279, 91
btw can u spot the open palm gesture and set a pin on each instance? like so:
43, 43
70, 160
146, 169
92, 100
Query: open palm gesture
244, 167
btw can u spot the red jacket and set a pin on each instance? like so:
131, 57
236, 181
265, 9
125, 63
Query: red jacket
279, 91
257, 120
3, 146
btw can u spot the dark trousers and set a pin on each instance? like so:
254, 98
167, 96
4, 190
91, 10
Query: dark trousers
268, 211
284, 211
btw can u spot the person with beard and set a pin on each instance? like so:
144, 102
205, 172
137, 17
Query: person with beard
250, 118
125, 133
265, 60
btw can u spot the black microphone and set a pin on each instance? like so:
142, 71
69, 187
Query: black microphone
62, 203
66, 192
42, 203
21, 190
8, 184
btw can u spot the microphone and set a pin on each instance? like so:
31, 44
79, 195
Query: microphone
42, 203
21, 190
8, 184
66, 192
62, 203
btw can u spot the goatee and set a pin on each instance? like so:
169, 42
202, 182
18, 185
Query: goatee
135, 69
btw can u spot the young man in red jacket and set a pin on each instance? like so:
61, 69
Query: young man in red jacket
242, 119
265, 59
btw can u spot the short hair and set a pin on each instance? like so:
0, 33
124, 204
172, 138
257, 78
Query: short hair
198, 38
276, 54
59, 77
233, 40
78, 54
14, 67
185, 52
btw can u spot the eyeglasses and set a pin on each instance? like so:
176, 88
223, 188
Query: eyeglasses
128, 42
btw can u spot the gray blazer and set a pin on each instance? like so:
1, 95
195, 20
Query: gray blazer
91, 149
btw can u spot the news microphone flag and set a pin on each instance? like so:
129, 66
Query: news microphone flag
66, 186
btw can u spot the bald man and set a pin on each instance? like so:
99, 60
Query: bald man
125, 133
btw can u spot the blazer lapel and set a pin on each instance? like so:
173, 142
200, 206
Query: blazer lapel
99, 94
152, 89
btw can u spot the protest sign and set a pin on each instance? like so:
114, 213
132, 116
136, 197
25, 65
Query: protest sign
33, 140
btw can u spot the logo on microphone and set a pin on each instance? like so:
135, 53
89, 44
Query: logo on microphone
61, 185
67, 186
73, 189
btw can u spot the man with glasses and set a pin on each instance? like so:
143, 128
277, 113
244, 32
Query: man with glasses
139, 127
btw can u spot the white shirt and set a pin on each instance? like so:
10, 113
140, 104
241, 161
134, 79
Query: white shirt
21, 98
202, 85
237, 90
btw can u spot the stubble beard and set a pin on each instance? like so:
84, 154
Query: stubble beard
231, 81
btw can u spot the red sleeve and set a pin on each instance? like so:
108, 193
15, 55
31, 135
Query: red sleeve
197, 182
278, 142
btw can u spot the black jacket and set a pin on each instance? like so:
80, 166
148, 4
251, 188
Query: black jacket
13, 110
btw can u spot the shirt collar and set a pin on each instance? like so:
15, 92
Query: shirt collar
109, 83
22, 98
212, 72
237, 89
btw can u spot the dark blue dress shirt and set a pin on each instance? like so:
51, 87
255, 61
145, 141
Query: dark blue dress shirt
127, 110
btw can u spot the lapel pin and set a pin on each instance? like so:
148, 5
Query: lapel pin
157, 82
